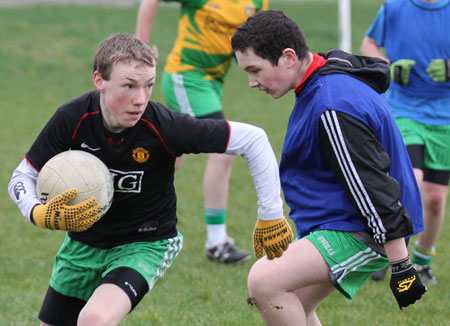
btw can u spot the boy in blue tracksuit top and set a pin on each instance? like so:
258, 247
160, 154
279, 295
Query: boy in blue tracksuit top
312, 189
344, 170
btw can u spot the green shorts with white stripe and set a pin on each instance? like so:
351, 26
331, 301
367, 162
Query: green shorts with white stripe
192, 94
79, 268
351, 261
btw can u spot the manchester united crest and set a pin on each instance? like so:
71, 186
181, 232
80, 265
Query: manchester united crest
140, 155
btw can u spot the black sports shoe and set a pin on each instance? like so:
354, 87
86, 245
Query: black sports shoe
426, 274
227, 253
379, 275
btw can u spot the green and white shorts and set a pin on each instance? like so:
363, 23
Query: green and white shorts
193, 95
351, 261
79, 268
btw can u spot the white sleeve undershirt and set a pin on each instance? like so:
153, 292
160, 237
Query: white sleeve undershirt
22, 188
253, 145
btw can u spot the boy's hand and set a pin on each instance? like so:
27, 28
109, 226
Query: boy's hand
400, 70
57, 215
273, 237
439, 70
405, 283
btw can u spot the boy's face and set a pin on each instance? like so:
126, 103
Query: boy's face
125, 95
262, 74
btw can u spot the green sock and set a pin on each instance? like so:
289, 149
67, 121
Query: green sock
215, 215
421, 256
215, 219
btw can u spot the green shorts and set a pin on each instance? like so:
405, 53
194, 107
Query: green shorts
350, 260
435, 139
191, 94
79, 268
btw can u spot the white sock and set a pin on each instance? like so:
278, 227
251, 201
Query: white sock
216, 234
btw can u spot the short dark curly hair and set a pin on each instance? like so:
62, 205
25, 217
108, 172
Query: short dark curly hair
268, 33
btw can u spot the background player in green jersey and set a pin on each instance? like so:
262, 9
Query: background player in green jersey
193, 83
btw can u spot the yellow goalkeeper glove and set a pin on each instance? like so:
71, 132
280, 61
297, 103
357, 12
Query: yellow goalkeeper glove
57, 215
272, 236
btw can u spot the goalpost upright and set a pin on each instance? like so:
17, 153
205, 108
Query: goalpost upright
345, 29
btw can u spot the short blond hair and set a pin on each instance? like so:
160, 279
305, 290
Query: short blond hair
122, 47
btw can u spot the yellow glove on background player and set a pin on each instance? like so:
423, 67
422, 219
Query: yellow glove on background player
57, 215
273, 237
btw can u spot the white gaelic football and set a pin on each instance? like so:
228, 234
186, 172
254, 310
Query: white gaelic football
76, 169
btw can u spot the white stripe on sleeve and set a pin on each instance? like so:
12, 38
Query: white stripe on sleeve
356, 186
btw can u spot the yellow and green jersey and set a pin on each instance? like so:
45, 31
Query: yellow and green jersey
205, 28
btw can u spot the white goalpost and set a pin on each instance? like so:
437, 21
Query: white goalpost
345, 29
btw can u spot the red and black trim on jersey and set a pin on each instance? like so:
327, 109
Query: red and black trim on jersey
81, 120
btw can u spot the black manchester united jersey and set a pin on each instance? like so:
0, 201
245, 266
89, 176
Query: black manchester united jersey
141, 160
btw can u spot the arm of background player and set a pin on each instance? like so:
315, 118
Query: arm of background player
370, 48
373, 41
252, 144
145, 17
361, 166
22, 188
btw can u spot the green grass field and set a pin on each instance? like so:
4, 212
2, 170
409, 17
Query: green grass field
46, 59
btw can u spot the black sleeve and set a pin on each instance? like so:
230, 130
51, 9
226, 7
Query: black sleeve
53, 139
184, 134
361, 166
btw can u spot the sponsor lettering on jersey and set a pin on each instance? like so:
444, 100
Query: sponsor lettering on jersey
148, 226
147, 229
127, 181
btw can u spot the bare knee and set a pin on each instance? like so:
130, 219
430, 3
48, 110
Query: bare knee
259, 283
434, 202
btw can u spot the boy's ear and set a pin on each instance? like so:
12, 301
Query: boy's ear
289, 56
98, 81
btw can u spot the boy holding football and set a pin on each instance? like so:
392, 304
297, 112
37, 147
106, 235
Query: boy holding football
345, 173
104, 269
